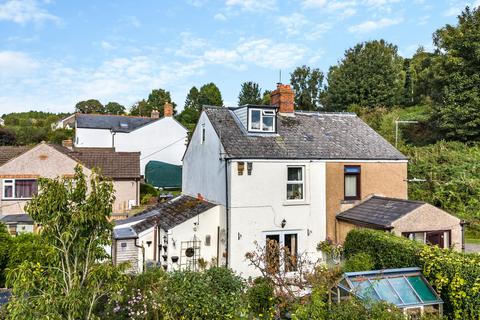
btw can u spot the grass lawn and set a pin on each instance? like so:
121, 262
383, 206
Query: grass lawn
471, 240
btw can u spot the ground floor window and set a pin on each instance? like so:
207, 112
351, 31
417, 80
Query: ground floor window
281, 251
440, 238
19, 188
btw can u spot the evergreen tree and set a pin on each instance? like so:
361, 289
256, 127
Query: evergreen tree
307, 85
210, 95
249, 94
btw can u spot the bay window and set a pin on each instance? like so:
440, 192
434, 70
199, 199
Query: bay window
19, 188
295, 183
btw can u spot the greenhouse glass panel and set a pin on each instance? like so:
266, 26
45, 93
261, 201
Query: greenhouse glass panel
422, 289
404, 290
385, 291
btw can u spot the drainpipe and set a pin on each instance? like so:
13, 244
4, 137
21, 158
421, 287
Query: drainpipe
227, 231
462, 225
113, 138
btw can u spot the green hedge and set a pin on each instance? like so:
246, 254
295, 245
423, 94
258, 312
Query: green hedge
455, 276
386, 249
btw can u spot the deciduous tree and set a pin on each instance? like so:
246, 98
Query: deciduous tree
210, 95
89, 106
307, 85
114, 108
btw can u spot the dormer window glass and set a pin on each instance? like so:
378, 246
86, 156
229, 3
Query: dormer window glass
261, 120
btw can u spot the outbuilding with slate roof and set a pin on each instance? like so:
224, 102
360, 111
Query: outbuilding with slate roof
415, 220
176, 234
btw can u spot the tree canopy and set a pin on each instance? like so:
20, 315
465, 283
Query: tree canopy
114, 108
250, 93
156, 101
307, 85
458, 47
90, 106
370, 74
210, 95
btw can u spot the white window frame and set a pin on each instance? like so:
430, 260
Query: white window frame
302, 182
281, 242
12, 184
263, 112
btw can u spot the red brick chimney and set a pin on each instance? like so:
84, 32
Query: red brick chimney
283, 98
168, 109
155, 114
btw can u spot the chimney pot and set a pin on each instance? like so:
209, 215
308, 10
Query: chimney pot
283, 97
168, 109
155, 114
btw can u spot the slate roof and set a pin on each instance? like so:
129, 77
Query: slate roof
112, 122
167, 214
10, 152
307, 135
16, 218
116, 165
379, 212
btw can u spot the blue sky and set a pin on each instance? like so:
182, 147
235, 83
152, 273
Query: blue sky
56, 53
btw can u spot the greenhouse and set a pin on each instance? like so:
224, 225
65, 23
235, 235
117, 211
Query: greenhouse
406, 288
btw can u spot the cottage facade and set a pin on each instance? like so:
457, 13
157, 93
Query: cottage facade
20, 168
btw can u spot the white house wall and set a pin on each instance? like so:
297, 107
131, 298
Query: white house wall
203, 171
206, 223
93, 138
258, 205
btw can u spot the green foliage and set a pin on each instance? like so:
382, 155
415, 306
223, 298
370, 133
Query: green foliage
90, 106
146, 188
114, 108
5, 246
29, 247
250, 94
76, 224
210, 95
455, 276
260, 298
458, 46
386, 249
452, 174
359, 262
307, 85
7, 137
156, 101
370, 74
266, 97
58, 135
191, 111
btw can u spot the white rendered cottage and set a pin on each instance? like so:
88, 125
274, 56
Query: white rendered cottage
160, 139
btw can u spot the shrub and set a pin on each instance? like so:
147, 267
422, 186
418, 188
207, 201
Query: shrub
146, 188
359, 262
260, 298
386, 249
5, 241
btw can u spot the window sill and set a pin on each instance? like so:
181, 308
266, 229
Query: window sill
295, 203
16, 199
349, 201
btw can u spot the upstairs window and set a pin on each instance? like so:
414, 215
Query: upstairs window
295, 183
352, 182
261, 120
19, 188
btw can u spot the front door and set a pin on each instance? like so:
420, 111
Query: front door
435, 238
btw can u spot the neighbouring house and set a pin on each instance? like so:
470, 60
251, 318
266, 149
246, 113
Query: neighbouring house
20, 168
415, 220
405, 288
160, 139
65, 123
173, 234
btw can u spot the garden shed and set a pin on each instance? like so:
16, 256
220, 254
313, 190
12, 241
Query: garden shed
406, 288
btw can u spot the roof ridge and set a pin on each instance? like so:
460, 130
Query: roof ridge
397, 199
326, 113
112, 115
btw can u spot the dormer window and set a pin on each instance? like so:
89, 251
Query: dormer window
261, 120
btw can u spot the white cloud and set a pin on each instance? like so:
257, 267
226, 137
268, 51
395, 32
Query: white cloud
314, 3
293, 23
372, 25
24, 11
423, 20
221, 56
107, 45
456, 9
252, 5
220, 16
14, 64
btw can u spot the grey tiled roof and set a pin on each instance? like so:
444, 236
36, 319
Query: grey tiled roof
16, 218
167, 214
379, 212
112, 122
304, 136
10, 152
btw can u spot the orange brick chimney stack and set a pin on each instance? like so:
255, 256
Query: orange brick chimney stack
168, 109
283, 98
